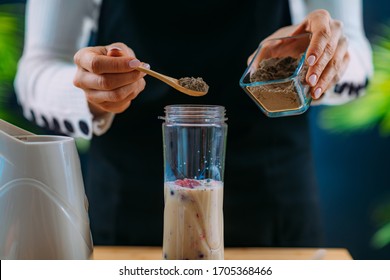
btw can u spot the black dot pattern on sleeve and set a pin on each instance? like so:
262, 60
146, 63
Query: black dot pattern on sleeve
33, 118
68, 126
56, 125
84, 127
45, 122
351, 88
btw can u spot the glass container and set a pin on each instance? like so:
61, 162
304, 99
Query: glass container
194, 138
275, 77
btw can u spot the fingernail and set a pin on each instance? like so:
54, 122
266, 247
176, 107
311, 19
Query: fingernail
146, 65
317, 93
311, 59
134, 63
313, 80
115, 52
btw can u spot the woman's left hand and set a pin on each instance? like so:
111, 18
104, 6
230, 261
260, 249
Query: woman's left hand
327, 55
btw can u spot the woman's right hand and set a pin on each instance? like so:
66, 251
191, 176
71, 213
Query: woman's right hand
108, 77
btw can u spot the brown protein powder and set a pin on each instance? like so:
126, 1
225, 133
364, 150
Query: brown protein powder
192, 83
277, 96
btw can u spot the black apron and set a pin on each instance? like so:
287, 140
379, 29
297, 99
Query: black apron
270, 194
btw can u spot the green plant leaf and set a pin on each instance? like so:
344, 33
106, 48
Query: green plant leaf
361, 114
10, 45
371, 110
382, 237
82, 145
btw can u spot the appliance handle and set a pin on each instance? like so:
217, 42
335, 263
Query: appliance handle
13, 130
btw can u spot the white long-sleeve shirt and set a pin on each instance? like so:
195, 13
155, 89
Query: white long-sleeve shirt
57, 29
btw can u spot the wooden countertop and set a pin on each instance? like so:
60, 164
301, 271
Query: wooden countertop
155, 253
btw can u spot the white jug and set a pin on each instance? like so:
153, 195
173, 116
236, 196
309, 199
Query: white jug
43, 207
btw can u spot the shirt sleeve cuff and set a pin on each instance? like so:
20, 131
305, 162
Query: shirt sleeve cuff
101, 124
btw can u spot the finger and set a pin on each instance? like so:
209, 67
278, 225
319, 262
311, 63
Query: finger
269, 48
344, 67
319, 25
250, 58
332, 71
282, 32
264, 51
314, 72
320, 90
115, 52
118, 95
101, 63
87, 80
124, 49
119, 107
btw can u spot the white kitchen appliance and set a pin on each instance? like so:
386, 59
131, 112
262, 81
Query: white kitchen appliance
43, 207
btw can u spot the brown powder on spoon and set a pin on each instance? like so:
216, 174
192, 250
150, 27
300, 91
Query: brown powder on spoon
192, 83
278, 96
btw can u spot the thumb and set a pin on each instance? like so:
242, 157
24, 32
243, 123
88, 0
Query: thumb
300, 28
115, 51
119, 49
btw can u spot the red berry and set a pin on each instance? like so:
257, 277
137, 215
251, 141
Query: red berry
187, 183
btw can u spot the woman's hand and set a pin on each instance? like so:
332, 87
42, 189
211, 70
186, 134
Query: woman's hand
327, 55
108, 77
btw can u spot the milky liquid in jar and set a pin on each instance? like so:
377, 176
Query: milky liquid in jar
193, 220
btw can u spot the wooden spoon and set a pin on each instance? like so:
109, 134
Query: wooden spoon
117, 52
171, 81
